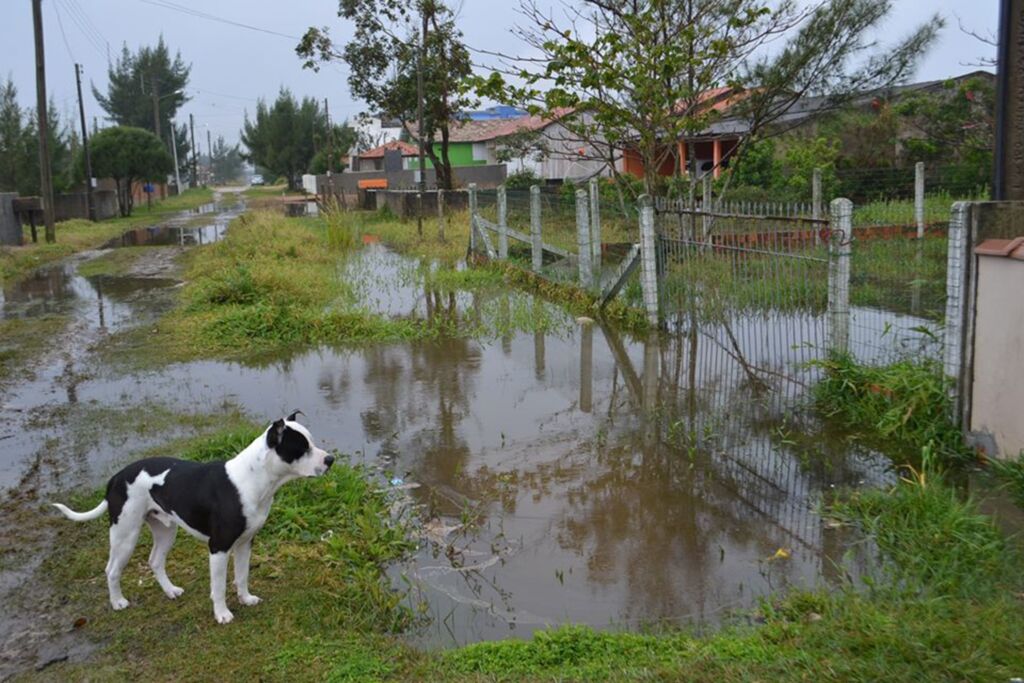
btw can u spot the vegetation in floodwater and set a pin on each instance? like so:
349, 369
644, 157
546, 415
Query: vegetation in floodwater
23, 339
900, 407
113, 262
1009, 473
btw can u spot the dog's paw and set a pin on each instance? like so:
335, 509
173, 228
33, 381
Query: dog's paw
249, 600
223, 617
173, 592
119, 604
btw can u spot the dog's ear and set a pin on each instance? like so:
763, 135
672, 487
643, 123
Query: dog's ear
295, 414
274, 434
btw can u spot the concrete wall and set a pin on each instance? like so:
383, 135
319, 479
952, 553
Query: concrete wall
486, 177
404, 203
70, 205
998, 388
10, 228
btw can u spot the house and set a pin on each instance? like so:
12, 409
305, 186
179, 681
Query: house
714, 146
373, 131
544, 146
391, 156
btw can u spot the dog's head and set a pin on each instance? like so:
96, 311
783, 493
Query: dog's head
294, 450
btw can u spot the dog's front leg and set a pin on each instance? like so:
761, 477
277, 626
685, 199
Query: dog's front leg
242, 554
218, 587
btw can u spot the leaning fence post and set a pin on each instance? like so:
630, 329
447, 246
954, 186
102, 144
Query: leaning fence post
839, 250
583, 239
648, 259
535, 236
595, 225
472, 217
502, 223
919, 198
956, 303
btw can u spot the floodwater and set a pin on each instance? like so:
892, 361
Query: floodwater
573, 475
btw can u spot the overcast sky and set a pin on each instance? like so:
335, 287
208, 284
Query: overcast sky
232, 66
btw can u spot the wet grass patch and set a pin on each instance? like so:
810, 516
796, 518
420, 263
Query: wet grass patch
78, 235
898, 408
22, 340
113, 262
318, 565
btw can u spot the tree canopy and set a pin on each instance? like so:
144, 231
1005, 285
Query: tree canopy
133, 82
225, 161
647, 72
19, 146
382, 58
128, 155
284, 137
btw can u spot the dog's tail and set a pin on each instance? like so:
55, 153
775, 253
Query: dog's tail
82, 516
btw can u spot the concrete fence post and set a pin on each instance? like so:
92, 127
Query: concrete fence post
957, 288
472, 217
502, 223
816, 202
648, 259
535, 236
706, 206
919, 198
595, 224
583, 239
839, 250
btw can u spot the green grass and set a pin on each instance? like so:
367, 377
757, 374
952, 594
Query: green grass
78, 234
317, 564
899, 408
114, 262
22, 340
937, 208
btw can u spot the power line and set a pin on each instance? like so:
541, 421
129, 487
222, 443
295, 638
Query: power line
89, 37
101, 39
167, 4
63, 35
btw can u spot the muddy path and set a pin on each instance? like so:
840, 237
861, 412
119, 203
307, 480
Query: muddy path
565, 475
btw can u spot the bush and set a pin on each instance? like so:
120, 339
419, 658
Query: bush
522, 179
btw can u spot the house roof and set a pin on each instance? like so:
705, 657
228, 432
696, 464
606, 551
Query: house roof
405, 148
492, 129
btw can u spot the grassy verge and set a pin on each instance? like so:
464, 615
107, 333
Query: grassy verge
78, 235
898, 408
317, 565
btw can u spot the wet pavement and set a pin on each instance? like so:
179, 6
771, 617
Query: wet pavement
572, 475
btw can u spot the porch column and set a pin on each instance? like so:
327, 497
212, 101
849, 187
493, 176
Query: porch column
682, 157
716, 155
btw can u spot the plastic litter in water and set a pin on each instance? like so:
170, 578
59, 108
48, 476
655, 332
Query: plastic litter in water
397, 481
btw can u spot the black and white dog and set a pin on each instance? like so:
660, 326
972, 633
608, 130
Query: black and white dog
222, 503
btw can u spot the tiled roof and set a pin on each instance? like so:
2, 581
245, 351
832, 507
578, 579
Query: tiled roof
492, 129
405, 148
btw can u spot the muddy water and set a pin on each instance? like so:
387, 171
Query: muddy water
566, 476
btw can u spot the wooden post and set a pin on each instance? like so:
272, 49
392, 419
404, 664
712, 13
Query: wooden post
472, 217
535, 236
42, 125
502, 223
583, 240
839, 275
919, 198
440, 214
705, 206
816, 202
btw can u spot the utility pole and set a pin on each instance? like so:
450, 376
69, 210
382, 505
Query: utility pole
177, 172
89, 199
419, 115
209, 154
330, 139
153, 91
192, 128
45, 173
1008, 181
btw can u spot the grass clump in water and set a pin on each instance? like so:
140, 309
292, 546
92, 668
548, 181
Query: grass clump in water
900, 407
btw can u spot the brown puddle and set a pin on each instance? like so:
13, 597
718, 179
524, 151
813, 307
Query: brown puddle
569, 476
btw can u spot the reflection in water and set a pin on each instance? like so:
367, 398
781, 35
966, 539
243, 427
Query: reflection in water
600, 480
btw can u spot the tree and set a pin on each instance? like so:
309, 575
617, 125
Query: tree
135, 80
19, 151
383, 56
128, 155
281, 138
344, 139
226, 161
644, 73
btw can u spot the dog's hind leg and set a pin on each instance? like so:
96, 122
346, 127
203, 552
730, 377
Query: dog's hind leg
163, 539
123, 537
242, 553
